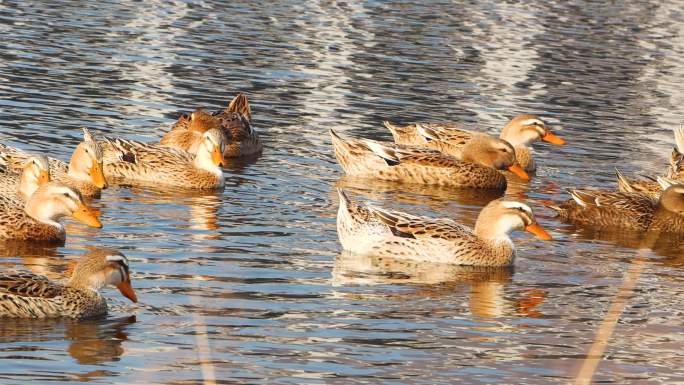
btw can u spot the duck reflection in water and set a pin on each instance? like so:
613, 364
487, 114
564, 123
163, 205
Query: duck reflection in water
485, 285
90, 341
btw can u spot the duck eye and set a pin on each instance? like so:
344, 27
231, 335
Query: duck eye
66, 195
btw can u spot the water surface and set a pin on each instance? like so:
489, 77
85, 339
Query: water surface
250, 285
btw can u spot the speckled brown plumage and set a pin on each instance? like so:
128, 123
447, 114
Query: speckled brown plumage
384, 233
26, 295
16, 224
450, 139
412, 164
241, 138
630, 210
9, 181
649, 185
131, 162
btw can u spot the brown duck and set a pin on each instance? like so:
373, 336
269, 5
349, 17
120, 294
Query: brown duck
635, 211
234, 121
521, 132
478, 167
26, 295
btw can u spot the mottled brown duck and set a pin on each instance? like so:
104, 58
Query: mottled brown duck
478, 167
27, 295
375, 231
38, 218
129, 162
521, 132
635, 211
241, 138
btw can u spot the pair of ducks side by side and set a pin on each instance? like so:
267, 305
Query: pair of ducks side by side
26, 295
31, 205
442, 154
191, 155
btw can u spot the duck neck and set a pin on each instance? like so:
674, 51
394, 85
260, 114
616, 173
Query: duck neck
76, 169
27, 186
44, 212
203, 161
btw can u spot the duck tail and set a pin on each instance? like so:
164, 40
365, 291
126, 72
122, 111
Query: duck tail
345, 202
679, 138
240, 104
623, 183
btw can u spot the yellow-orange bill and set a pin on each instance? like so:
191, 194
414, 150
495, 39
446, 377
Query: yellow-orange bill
538, 231
43, 177
551, 138
87, 216
217, 157
98, 175
517, 170
127, 290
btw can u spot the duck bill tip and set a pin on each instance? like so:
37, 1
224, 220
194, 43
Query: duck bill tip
127, 291
517, 170
87, 216
97, 174
553, 139
217, 157
538, 231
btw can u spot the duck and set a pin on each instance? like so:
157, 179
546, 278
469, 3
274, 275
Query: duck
478, 167
37, 219
28, 295
638, 211
35, 173
134, 163
82, 173
234, 121
375, 231
520, 132
650, 185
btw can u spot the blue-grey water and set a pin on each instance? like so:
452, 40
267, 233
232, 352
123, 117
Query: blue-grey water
249, 286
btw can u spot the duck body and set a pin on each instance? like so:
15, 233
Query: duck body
634, 211
16, 224
143, 164
520, 132
374, 231
412, 164
27, 295
651, 185
37, 219
241, 139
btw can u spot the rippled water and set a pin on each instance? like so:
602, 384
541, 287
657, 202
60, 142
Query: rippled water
249, 286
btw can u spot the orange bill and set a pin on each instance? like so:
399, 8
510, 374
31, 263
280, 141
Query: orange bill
43, 177
217, 157
98, 176
538, 231
127, 290
87, 216
551, 138
517, 170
